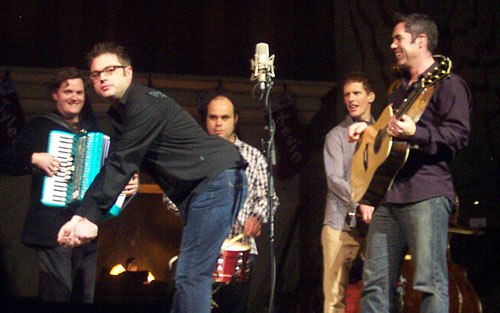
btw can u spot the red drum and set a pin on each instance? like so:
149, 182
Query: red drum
231, 265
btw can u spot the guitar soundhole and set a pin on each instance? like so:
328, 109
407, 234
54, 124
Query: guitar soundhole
378, 140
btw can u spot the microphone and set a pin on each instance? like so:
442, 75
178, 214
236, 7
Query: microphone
262, 65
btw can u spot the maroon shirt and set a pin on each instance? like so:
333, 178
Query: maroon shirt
442, 130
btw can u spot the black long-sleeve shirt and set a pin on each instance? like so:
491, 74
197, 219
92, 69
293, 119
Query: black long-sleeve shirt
442, 130
154, 131
42, 222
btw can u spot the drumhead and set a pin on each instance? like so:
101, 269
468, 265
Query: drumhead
235, 246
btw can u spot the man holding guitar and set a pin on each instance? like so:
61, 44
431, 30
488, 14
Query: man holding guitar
414, 212
341, 238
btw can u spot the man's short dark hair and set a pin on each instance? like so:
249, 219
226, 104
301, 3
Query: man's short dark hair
63, 75
109, 47
360, 77
417, 24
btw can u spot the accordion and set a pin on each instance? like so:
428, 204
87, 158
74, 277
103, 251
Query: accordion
81, 156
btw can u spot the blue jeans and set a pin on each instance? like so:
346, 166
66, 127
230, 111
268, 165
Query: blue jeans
210, 215
422, 228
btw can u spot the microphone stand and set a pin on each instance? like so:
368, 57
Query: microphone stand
270, 153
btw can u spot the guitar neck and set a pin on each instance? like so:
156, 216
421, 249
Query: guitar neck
416, 102
408, 102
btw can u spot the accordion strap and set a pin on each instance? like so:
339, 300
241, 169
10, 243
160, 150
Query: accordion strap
59, 120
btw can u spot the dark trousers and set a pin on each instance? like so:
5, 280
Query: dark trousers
233, 297
67, 275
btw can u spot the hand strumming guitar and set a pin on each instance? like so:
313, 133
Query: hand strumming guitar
402, 127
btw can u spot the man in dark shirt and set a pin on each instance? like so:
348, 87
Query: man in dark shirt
203, 175
65, 274
415, 212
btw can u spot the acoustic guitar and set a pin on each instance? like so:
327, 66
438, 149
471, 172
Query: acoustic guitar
377, 157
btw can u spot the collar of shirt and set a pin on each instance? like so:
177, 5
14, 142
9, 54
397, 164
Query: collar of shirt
406, 80
237, 142
128, 92
114, 109
349, 120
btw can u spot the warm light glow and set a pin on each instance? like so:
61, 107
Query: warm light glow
408, 257
476, 202
150, 277
117, 269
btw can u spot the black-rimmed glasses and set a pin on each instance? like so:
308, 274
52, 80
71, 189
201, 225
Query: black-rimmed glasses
107, 71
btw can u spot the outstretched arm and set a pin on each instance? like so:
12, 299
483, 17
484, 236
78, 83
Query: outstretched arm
80, 230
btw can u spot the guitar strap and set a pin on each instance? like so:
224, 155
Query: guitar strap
62, 122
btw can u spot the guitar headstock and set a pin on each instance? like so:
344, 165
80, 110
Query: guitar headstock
441, 71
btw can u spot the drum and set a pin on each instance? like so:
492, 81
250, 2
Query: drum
232, 263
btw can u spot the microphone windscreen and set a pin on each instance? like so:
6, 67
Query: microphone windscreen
262, 49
